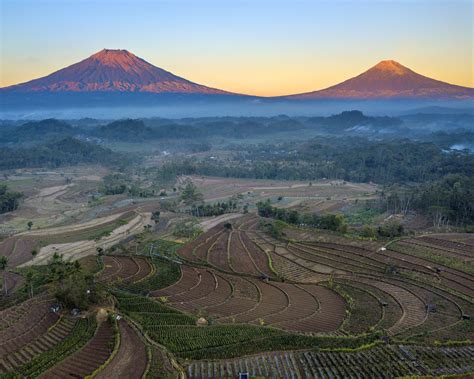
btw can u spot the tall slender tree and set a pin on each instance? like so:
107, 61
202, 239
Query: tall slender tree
3, 268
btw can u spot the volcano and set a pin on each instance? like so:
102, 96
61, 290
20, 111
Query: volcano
112, 71
390, 80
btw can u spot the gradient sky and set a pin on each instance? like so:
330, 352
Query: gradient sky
261, 47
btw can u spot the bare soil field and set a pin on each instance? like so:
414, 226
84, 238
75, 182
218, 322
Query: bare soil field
80, 249
311, 195
49, 198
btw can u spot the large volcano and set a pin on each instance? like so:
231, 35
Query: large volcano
113, 71
387, 80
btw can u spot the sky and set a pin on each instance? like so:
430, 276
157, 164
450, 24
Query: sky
259, 47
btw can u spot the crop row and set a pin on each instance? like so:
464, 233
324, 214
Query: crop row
164, 273
82, 332
234, 299
218, 341
380, 362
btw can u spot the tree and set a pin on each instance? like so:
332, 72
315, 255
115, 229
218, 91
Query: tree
190, 193
77, 266
156, 216
9, 201
186, 228
391, 228
29, 277
34, 253
3, 268
71, 286
30, 225
368, 232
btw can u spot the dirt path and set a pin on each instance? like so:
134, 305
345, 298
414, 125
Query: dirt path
131, 358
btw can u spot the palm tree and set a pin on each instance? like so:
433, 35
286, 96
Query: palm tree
3, 268
77, 267
29, 281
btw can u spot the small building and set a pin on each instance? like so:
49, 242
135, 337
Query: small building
431, 308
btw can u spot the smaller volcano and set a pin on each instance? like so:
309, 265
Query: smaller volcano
390, 79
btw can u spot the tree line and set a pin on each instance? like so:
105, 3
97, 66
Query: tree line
329, 221
9, 200
67, 151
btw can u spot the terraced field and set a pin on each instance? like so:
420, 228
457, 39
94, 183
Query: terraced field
88, 359
124, 269
416, 287
41, 344
381, 362
229, 250
131, 358
237, 300
25, 322
73, 241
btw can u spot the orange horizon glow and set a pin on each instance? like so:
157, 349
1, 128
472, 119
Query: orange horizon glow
259, 47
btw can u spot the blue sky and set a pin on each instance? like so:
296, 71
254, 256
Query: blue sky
259, 47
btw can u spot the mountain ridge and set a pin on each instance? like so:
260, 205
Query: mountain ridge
120, 71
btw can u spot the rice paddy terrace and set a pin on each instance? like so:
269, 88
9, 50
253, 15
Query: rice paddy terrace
237, 300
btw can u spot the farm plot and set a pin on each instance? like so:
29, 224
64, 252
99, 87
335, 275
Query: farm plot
455, 246
215, 188
380, 362
438, 246
366, 313
88, 359
285, 264
80, 249
180, 334
452, 274
131, 358
81, 333
340, 256
18, 248
413, 307
124, 269
163, 273
464, 238
410, 260
228, 250
363, 266
22, 323
234, 299
43, 343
